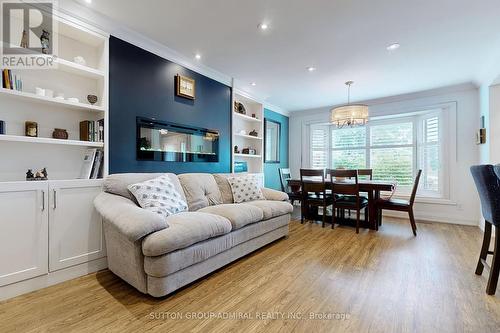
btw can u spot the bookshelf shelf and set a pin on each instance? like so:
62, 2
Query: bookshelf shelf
47, 100
74, 68
18, 138
248, 136
248, 118
247, 155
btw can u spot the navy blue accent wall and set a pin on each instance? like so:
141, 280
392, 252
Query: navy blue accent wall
271, 173
142, 84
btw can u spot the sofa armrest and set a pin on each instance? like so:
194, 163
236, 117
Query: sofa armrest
274, 195
128, 218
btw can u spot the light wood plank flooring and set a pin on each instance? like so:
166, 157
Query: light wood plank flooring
386, 281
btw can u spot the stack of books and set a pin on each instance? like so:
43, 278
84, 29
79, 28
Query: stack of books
10, 81
92, 130
93, 162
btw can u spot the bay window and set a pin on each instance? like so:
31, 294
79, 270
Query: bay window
395, 148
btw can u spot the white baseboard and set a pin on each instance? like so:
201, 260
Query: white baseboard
52, 278
431, 218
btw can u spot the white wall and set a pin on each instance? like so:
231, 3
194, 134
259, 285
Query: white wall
462, 206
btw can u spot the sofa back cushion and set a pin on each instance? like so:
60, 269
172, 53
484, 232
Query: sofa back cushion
117, 183
200, 190
225, 188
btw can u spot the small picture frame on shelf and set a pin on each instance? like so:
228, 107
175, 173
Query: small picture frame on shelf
184, 87
31, 129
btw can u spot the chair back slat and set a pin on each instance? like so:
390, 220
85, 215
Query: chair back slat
366, 172
285, 175
488, 187
415, 187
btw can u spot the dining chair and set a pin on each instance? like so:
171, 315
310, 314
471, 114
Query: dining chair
401, 204
285, 175
346, 194
488, 187
313, 192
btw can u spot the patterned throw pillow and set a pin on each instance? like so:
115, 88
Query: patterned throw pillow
245, 188
159, 196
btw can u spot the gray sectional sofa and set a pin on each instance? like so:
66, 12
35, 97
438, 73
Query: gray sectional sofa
158, 255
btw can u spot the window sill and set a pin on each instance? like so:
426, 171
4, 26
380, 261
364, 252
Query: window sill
428, 200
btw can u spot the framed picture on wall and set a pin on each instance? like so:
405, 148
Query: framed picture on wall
272, 132
184, 86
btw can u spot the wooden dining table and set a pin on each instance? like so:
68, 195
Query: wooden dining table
372, 187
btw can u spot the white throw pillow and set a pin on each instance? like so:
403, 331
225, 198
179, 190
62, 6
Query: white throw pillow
246, 188
159, 196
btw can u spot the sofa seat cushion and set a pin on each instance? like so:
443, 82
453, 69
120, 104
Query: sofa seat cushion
185, 229
200, 189
172, 262
272, 208
238, 214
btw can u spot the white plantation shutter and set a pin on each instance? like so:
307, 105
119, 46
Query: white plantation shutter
392, 152
319, 146
429, 153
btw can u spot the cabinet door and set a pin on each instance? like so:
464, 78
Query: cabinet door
75, 227
23, 230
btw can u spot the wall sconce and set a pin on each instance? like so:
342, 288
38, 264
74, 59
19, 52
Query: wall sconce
481, 133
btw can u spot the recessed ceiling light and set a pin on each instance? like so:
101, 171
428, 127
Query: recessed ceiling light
88, 1
263, 26
197, 56
311, 68
393, 47
253, 84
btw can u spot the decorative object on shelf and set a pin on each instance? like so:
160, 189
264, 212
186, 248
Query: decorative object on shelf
249, 151
351, 114
236, 150
60, 133
24, 40
73, 100
49, 93
30, 175
184, 86
31, 129
272, 135
40, 91
481, 133
254, 116
10, 81
242, 132
92, 130
240, 166
2, 127
59, 96
39, 175
79, 60
92, 99
253, 133
239, 108
45, 41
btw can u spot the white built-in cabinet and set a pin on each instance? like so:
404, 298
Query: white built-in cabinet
50, 230
47, 226
24, 231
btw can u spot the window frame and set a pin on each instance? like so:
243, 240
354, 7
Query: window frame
417, 120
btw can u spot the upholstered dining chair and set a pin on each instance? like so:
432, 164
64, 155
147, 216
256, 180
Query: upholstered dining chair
488, 187
346, 195
368, 173
285, 175
400, 204
313, 192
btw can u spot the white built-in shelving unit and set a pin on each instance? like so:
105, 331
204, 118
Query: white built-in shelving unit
242, 125
62, 158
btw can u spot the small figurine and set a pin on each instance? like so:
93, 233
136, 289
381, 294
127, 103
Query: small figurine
44, 40
236, 150
29, 175
44, 173
24, 40
253, 133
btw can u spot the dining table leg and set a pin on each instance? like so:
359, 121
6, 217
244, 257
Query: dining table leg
371, 210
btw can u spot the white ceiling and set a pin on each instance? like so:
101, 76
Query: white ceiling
443, 42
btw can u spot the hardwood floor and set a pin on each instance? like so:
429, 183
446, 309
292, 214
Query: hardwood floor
386, 281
